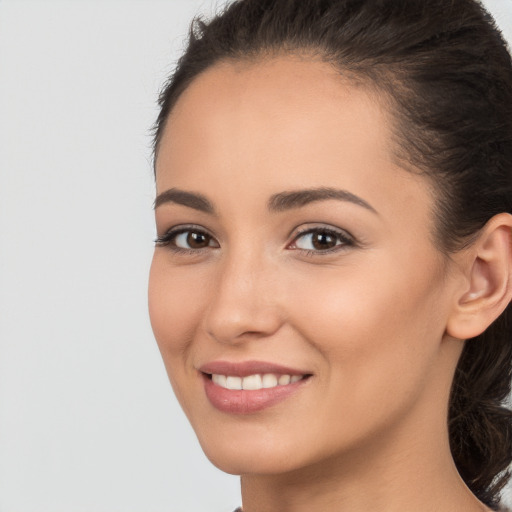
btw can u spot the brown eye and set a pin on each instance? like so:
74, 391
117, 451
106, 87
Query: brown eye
186, 239
322, 240
196, 240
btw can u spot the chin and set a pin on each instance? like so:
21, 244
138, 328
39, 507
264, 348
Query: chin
251, 455
250, 463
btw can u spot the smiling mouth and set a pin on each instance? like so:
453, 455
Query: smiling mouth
247, 394
248, 387
254, 382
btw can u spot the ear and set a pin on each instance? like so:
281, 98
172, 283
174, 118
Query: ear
487, 280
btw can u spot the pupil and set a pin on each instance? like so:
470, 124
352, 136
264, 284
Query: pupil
323, 241
197, 240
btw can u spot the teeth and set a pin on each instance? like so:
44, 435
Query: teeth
269, 380
254, 382
233, 382
284, 380
220, 380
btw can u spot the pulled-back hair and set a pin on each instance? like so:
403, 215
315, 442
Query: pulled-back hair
445, 73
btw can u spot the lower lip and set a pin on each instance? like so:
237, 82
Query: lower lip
239, 401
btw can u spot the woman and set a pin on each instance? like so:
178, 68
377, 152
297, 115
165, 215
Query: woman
332, 271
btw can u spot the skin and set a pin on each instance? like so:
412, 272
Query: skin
375, 321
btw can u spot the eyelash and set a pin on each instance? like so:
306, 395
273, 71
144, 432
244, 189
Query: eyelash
169, 237
347, 240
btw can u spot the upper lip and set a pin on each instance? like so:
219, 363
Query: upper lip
245, 368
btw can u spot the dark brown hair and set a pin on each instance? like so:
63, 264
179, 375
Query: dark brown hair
445, 72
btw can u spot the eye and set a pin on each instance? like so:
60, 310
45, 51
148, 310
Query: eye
321, 239
186, 239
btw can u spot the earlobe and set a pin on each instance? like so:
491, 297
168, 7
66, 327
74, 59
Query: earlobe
487, 287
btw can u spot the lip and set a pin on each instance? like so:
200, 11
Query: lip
248, 401
245, 368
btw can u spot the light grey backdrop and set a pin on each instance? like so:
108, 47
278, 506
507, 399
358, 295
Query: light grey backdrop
88, 422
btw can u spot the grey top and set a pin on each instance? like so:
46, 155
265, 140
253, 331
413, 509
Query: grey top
499, 510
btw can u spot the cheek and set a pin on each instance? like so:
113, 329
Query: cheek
372, 298
174, 304
377, 325
176, 297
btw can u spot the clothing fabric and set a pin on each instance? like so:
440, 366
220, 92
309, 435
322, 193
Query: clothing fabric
503, 509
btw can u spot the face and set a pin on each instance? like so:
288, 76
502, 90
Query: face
296, 293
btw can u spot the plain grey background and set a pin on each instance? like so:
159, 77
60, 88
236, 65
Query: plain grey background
88, 422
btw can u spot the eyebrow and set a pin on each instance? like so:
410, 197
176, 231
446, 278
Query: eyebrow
190, 199
277, 203
298, 198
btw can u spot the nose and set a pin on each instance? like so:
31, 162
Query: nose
244, 301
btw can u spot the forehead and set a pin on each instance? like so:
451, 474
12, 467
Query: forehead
290, 94
293, 83
279, 124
